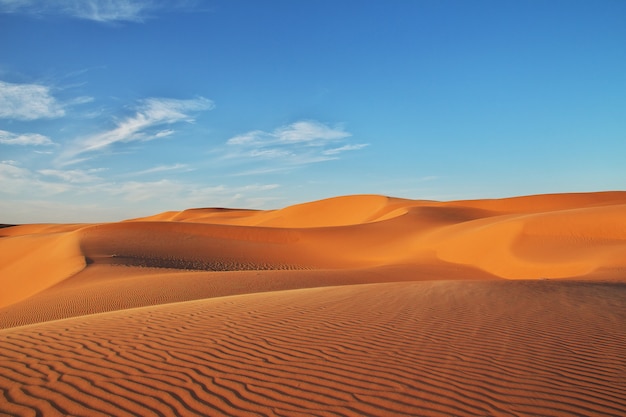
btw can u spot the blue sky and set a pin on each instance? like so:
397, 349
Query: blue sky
112, 109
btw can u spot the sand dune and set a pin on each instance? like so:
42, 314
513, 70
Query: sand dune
356, 305
26, 255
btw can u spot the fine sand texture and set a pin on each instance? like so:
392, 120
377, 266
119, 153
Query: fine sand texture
352, 306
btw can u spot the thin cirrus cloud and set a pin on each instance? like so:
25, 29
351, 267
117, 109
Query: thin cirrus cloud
24, 139
28, 102
304, 132
161, 168
95, 10
300, 143
344, 148
15, 179
75, 176
187, 194
147, 123
39, 190
102, 11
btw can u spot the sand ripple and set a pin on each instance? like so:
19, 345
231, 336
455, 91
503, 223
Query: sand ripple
430, 348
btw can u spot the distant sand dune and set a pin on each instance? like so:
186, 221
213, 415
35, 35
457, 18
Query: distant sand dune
356, 305
546, 236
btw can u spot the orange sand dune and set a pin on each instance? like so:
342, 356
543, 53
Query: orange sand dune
396, 307
576, 235
34, 259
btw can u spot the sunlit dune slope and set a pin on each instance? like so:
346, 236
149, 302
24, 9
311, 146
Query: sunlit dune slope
437, 348
33, 258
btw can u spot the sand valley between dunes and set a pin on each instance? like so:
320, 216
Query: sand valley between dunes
352, 306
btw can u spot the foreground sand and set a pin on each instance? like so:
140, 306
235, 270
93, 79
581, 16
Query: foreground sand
359, 305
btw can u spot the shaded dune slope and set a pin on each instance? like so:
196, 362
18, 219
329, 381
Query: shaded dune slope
436, 348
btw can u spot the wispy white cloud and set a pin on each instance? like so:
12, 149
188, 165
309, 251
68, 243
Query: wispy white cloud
9, 138
20, 210
135, 191
80, 100
16, 180
308, 132
261, 171
335, 151
160, 168
22, 190
10, 170
250, 195
73, 176
249, 138
300, 143
28, 102
164, 133
104, 11
270, 153
189, 194
107, 10
97, 10
151, 114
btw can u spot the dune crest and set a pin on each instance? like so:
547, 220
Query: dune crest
330, 212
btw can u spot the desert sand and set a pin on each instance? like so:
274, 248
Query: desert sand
360, 305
